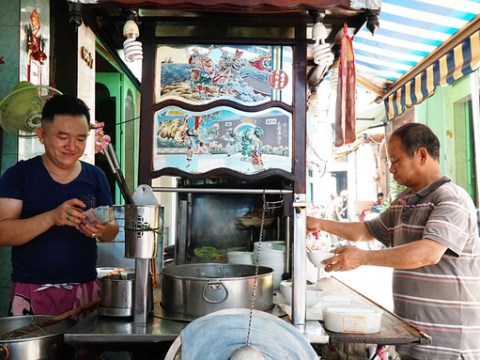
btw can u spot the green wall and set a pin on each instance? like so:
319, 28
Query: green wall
447, 114
123, 128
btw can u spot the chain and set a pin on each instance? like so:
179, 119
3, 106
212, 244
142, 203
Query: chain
257, 257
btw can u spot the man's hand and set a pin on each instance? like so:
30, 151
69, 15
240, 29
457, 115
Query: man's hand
346, 258
313, 224
69, 213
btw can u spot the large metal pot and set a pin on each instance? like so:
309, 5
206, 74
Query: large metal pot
49, 346
199, 289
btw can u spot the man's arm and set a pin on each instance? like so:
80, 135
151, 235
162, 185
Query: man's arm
15, 231
353, 231
409, 256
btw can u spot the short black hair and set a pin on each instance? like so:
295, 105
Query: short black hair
64, 105
414, 136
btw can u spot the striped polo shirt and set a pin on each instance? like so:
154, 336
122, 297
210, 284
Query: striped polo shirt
443, 300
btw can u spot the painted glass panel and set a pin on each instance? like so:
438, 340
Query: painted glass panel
223, 137
250, 75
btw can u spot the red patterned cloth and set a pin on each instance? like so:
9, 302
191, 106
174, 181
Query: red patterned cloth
346, 93
51, 299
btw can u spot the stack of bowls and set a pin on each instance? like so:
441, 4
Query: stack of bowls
240, 257
272, 255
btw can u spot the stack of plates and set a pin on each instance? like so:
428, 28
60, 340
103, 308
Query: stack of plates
272, 255
240, 257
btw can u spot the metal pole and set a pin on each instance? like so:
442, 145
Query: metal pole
299, 284
141, 291
221, 190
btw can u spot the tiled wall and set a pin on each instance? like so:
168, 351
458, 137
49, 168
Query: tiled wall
9, 70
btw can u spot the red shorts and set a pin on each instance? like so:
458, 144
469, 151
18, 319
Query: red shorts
48, 299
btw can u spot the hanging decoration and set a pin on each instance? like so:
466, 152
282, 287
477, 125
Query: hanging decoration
36, 45
346, 93
101, 140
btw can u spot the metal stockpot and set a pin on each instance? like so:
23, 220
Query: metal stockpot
199, 289
49, 346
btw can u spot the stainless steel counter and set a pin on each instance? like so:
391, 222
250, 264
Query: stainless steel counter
97, 329
105, 332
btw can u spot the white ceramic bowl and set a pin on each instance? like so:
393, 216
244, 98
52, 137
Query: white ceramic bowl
316, 257
352, 319
313, 296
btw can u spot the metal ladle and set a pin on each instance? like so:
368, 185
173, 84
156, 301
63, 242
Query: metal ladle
247, 352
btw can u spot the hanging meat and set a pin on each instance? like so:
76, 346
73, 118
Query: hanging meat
346, 93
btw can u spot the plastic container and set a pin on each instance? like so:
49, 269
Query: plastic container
352, 319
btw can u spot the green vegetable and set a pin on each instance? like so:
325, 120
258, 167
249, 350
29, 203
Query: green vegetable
206, 251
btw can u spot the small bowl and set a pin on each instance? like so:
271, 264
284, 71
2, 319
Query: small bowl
316, 257
313, 296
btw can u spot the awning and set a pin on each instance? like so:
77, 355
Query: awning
456, 63
412, 51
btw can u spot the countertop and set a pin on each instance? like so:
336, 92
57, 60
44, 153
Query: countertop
102, 330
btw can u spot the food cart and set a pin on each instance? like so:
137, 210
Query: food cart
223, 109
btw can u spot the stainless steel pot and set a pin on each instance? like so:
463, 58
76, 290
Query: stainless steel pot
118, 295
49, 346
199, 289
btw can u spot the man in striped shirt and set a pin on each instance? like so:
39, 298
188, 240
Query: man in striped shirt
432, 242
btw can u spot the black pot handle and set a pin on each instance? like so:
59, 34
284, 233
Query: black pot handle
4, 352
215, 292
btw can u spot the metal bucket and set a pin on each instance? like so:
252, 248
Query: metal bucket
118, 295
46, 346
199, 289
143, 225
